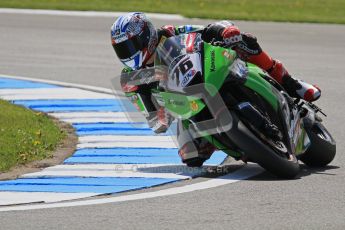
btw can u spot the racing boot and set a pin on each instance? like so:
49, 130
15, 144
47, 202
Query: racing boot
294, 87
300, 89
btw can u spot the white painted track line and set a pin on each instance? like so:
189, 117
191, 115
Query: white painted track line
113, 141
99, 120
86, 13
119, 170
16, 198
122, 144
60, 83
91, 115
247, 171
99, 117
122, 173
112, 138
51, 93
106, 167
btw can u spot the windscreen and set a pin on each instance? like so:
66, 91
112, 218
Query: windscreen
182, 57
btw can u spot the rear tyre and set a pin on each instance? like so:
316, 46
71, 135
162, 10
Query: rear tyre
323, 147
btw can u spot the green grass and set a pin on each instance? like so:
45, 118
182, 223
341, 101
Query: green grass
322, 11
25, 136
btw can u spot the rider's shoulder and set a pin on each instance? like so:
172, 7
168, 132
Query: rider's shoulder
223, 23
170, 30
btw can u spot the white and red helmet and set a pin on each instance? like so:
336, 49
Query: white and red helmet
134, 39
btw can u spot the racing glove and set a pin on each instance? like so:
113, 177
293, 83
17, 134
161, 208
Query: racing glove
160, 121
231, 35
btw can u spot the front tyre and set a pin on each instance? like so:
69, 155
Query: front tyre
282, 166
323, 147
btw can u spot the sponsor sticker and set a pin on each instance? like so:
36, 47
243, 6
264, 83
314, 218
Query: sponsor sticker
213, 61
194, 106
227, 55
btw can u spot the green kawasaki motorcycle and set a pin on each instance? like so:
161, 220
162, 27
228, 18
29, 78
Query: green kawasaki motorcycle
225, 100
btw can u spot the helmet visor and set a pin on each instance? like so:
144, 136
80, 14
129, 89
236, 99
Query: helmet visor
127, 49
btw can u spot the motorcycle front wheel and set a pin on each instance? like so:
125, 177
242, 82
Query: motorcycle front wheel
322, 149
282, 165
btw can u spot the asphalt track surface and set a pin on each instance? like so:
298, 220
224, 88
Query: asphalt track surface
77, 50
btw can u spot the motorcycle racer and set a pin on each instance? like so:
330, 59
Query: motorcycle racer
135, 39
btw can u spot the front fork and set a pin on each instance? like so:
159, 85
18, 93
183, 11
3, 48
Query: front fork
300, 117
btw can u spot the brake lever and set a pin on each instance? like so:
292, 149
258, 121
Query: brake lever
316, 108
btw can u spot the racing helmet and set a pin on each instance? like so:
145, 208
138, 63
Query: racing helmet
134, 39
